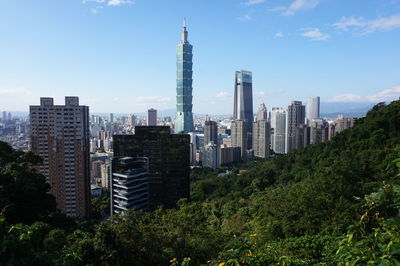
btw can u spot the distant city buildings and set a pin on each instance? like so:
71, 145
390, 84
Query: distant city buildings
60, 136
278, 130
168, 158
184, 116
239, 137
152, 117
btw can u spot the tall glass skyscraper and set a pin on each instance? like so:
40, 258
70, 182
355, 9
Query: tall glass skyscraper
243, 102
184, 64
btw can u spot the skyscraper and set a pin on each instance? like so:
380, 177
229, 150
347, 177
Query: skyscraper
184, 64
111, 118
4, 116
313, 107
60, 135
261, 133
295, 118
168, 162
210, 132
152, 117
243, 102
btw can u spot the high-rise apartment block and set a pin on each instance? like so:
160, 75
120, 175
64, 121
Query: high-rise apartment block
243, 102
184, 89
60, 135
278, 130
211, 156
239, 137
261, 133
152, 117
131, 120
210, 132
313, 108
295, 118
168, 161
343, 123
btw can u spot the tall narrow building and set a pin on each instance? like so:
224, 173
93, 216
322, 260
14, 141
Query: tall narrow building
60, 136
184, 65
152, 117
313, 107
261, 133
278, 122
295, 118
243, 102
210, 132
238, 132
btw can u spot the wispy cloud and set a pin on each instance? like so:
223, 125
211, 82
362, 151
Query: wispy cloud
119, 2
314, 34
94, 1
96, 9
364, 26
381, 96
279, 35
223, 95
245, 18
253, 2
300, 5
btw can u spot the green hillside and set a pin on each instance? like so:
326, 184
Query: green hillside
331, 203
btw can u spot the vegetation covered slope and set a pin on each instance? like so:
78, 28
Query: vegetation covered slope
306, 207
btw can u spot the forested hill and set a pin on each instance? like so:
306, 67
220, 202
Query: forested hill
331, 203
314, 189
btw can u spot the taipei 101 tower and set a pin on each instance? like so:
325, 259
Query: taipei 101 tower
184, 64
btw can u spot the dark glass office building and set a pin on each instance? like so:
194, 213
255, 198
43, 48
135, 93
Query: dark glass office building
184, 64
243, 102
168, 158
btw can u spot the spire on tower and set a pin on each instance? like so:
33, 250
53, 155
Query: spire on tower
184, 32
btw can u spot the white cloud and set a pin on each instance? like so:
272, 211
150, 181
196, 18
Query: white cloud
279, 35
119, 2
300, 5
314, 34
368, 26
382, 96
245, 18
224, 95
253, 2
259, 93
277, 9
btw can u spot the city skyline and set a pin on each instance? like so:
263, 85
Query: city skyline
92, 49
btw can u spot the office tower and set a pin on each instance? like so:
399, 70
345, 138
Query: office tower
132, 120
152, 117
169, 161
184, 56
210, 132
130, 184
60, 135
278, 121
211, 156
239, 137
111, 119
313, 107
295, 118
261, 133
4, 116
9, 117
243, 102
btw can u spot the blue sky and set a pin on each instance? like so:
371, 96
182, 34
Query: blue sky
119, 56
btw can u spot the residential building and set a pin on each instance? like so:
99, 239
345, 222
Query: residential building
295, 118
239, 137
210, 132
261, 133
313, 108
60, 136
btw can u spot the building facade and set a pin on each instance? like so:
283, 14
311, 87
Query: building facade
210, 132
184, 55
168, 159
313, 109
60, 136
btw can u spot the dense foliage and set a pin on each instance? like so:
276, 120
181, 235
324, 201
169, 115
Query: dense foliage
332, 203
